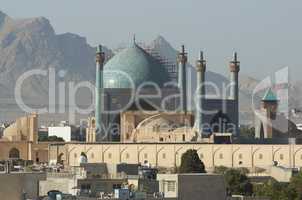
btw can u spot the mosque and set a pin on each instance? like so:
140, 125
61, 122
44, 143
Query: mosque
136, 100
143, 115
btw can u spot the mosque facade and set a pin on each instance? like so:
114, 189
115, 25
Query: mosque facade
136, 100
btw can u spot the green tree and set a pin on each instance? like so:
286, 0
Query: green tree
220, 170
50, 139
281, 191
275, 191
191, 163
237, 182
296, 185
55, 138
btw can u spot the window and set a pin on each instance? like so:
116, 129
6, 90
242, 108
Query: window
145, 156
171, 186
14, 153
85, 188
127, 155
75, 155
201, 156
114, 100
164, 156
281, 157
301, 157
37, 157
221, 156
92, 155
116, 186
260, 156
109, 155
240, 156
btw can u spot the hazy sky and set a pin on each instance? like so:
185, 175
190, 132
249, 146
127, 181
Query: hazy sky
266, 33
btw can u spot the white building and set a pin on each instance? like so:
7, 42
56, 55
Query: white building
60, 131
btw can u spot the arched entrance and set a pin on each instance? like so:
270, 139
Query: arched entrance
220, 123
60, 159
14, 153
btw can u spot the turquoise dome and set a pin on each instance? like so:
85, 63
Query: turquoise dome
132, 67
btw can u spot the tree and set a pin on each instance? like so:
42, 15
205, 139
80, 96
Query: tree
275, 191
50, 139
296, 185
281, 191
220, 170
191, 163
237, 182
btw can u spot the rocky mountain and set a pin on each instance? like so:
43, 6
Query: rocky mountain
28, 44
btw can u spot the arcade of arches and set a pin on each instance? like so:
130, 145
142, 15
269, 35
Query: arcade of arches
24, 150
168, 155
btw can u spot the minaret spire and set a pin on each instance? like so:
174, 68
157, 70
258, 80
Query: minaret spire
182, 77
100, 59
200, 93
235, 56
134, 39
201, 55
234, 87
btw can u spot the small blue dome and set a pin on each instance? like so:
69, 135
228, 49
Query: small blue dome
132, 67
270, 96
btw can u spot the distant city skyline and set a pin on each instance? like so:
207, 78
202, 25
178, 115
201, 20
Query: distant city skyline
266, 34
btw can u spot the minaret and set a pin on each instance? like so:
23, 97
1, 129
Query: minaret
100, 59
269, 109
182, 77
200, 93
234, 89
